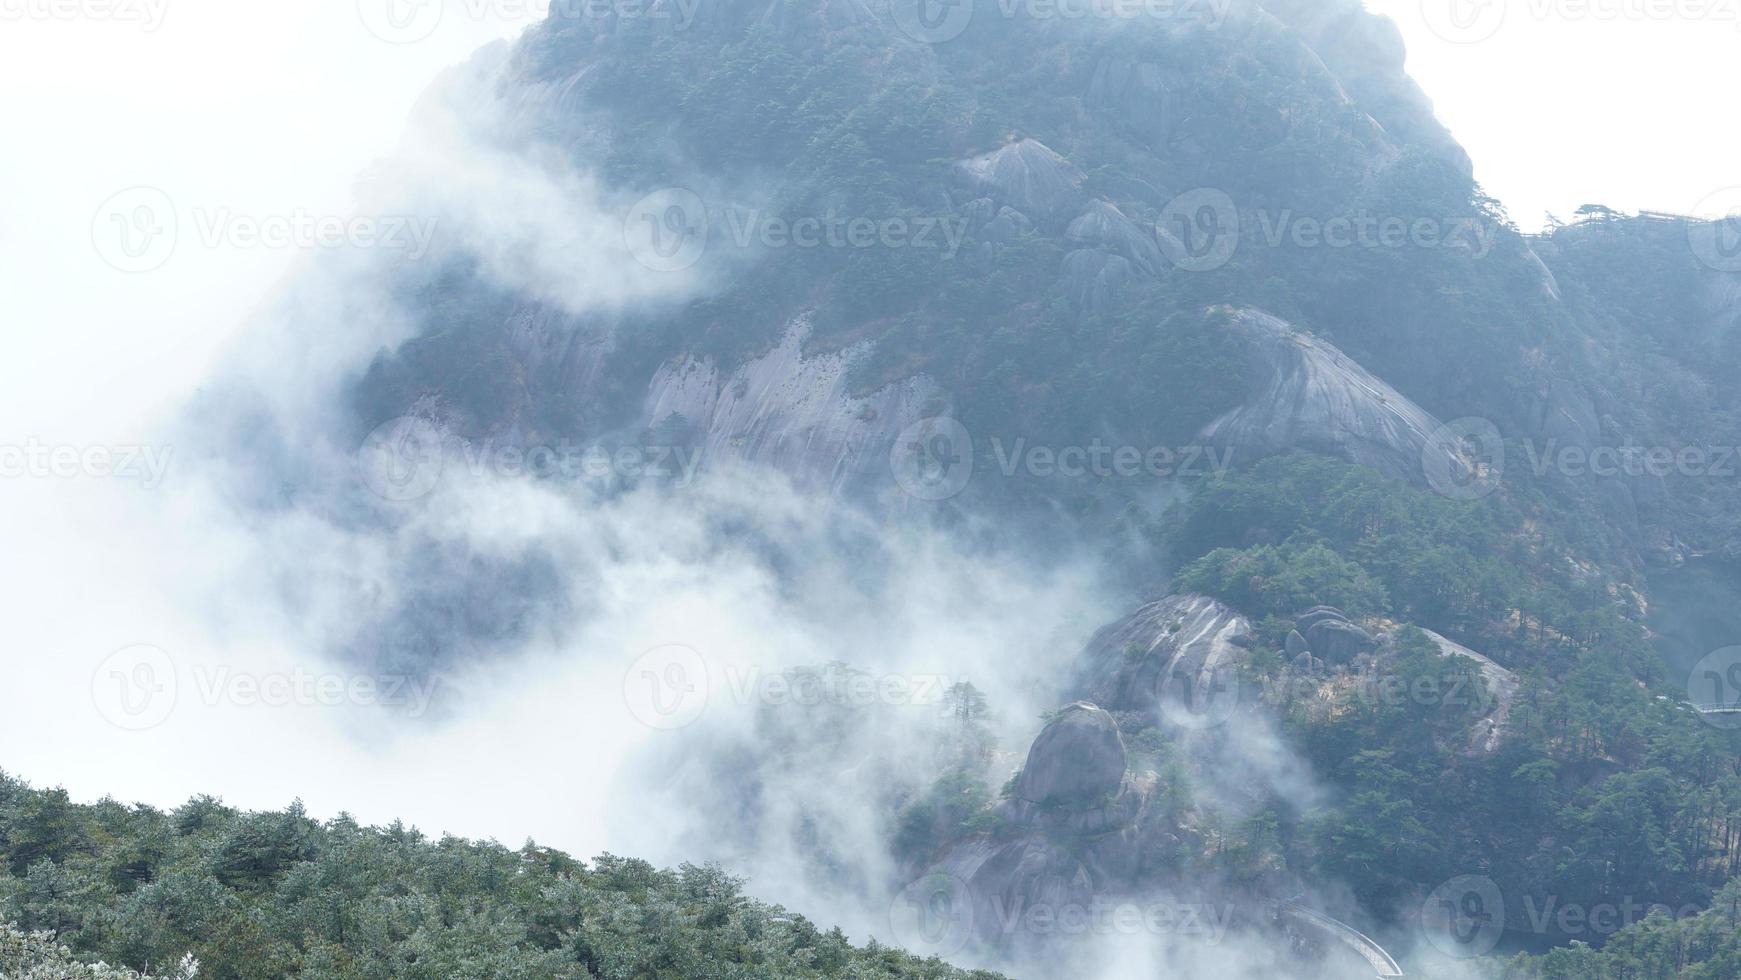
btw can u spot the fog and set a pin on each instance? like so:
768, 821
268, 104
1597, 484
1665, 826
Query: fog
279, 629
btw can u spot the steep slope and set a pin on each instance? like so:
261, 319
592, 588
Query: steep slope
872, 124
1043, 282
1249, 236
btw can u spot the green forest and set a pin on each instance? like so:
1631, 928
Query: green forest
271, 895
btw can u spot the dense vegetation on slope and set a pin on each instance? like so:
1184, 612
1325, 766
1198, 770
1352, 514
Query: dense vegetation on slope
271, 895
785, 111
36, 956
1600, 789
1670, 339
1702, 947
1326, 531
805, 113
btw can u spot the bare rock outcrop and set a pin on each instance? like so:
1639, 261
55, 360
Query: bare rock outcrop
1103, 224
1313, 397
1365, 53
1077, 762
792, 412
1094, 281
1143, 96
1074, 832
1028, 176
1175, 651
1331, 636
1502, 687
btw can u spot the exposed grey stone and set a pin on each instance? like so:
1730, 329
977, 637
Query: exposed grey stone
1337, 642
1009, 226
1104, 224
979, 213
1143, 97
1129, 665
790, 412
1311, 396
1094, 281
1318, 614
1550, 284
1502, 686
1049, 856
1296, 644
1078, 762
1363, 55
1029, 176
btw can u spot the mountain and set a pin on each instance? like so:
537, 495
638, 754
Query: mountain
1388, 486
1050, 298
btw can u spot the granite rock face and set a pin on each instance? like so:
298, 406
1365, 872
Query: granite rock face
1103, 224
1093, 281
1075, 831
1331, 636
1142, 96
1502, 688
1313, 397
1166, 650
1077, 762
791, 412
1028, 176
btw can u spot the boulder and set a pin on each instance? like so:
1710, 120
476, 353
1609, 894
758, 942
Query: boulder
1318, 614
1026, 175
1338, 642
1077, 762
1094, 281
1050, 856
1130, 665
978, 213
1105, 225
1008, 226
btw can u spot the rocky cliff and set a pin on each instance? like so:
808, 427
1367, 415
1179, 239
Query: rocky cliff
1313, 397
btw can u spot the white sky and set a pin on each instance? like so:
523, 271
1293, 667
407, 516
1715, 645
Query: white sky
265, 108
1627, 103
